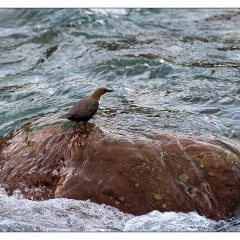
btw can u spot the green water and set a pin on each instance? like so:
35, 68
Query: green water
171, 69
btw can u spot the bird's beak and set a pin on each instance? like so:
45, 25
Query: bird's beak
110, 90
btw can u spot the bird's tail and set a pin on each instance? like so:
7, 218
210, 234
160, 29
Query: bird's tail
66, 115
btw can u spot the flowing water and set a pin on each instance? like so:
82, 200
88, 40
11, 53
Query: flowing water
171, 69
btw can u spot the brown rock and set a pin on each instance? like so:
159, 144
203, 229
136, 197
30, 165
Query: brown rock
166, 173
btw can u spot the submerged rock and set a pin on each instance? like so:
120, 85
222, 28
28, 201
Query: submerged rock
164, 173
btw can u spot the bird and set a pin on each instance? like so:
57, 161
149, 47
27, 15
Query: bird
86, 108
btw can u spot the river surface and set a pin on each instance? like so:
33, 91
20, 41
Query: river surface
171, 69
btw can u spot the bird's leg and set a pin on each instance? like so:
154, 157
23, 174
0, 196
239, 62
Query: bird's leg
85, 127
79, 125
82, 126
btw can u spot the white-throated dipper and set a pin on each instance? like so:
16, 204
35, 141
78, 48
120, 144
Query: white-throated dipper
85, 109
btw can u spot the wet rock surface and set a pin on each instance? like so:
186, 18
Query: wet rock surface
166, 173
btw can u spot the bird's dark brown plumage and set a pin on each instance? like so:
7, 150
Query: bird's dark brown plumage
85, 109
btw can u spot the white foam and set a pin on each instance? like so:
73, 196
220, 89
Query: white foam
19, 214
170, 222
57, 215
107, 11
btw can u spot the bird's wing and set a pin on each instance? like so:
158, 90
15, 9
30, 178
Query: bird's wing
84, 109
